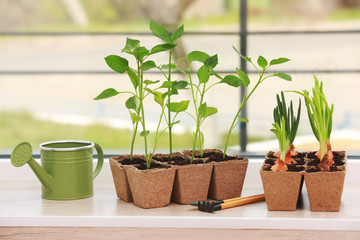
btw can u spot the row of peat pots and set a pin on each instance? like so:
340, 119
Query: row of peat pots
211, 176
324, 189
177, 180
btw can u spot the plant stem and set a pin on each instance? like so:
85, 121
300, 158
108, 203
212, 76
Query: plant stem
197, 131
133, 139
157, 132
141, 107
238, 112
169, 112
196, 113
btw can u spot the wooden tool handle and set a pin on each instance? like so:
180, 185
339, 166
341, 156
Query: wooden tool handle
240, 198
243, 201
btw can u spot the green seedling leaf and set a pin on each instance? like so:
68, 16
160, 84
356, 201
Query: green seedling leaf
144, 133
210, 111
159, 31
130, 45
177, 34
197, 56
149, 91
244, 57
167, 84
148, 65
179, 106
243, 120
162, 48
149, 82
206, 111
262, 62
211, 62
232, 80
202, 110
166, 67
203, 74
172, 91
180, 84
134, 78
140, 53
172, 124
158, 97
131, 103
279, 61
110, 92
244, 77
117, 63
213, 73
134, 117
284, 76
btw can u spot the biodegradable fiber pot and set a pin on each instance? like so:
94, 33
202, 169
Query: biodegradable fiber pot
151, 188
120, 179
191, 182
227, 178
118, 165
228, 175
325, 188
281, 189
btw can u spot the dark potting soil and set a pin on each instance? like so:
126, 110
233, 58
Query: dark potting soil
227, 158
271, 154
299, 155
312, 155
182, 162
166, 158
134, 161
335, 169
295, 168
291, 168
299, 161
313, 161
312, 169
270, 161
338, 162
267, 167
153, 165
338, 159
215, 155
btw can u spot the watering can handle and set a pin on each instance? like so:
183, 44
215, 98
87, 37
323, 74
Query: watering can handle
100, 161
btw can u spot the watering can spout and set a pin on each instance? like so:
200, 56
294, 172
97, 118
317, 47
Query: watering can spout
45, 178
22, 154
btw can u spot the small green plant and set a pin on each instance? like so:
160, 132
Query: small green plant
320, 118
198, 90
142, 87
243, 79
171, 86
285, 128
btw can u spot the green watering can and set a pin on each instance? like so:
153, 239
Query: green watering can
66, 170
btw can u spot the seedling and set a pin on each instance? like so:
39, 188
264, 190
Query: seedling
285, 128
243, 79
198, 90
142, 87
320, 118
171, 86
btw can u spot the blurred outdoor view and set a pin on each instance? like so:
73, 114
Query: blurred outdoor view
48, 81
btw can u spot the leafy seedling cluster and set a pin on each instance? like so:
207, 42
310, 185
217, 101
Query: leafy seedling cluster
285, 127
143, 88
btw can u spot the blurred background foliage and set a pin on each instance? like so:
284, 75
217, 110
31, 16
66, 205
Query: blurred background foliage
133, 15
